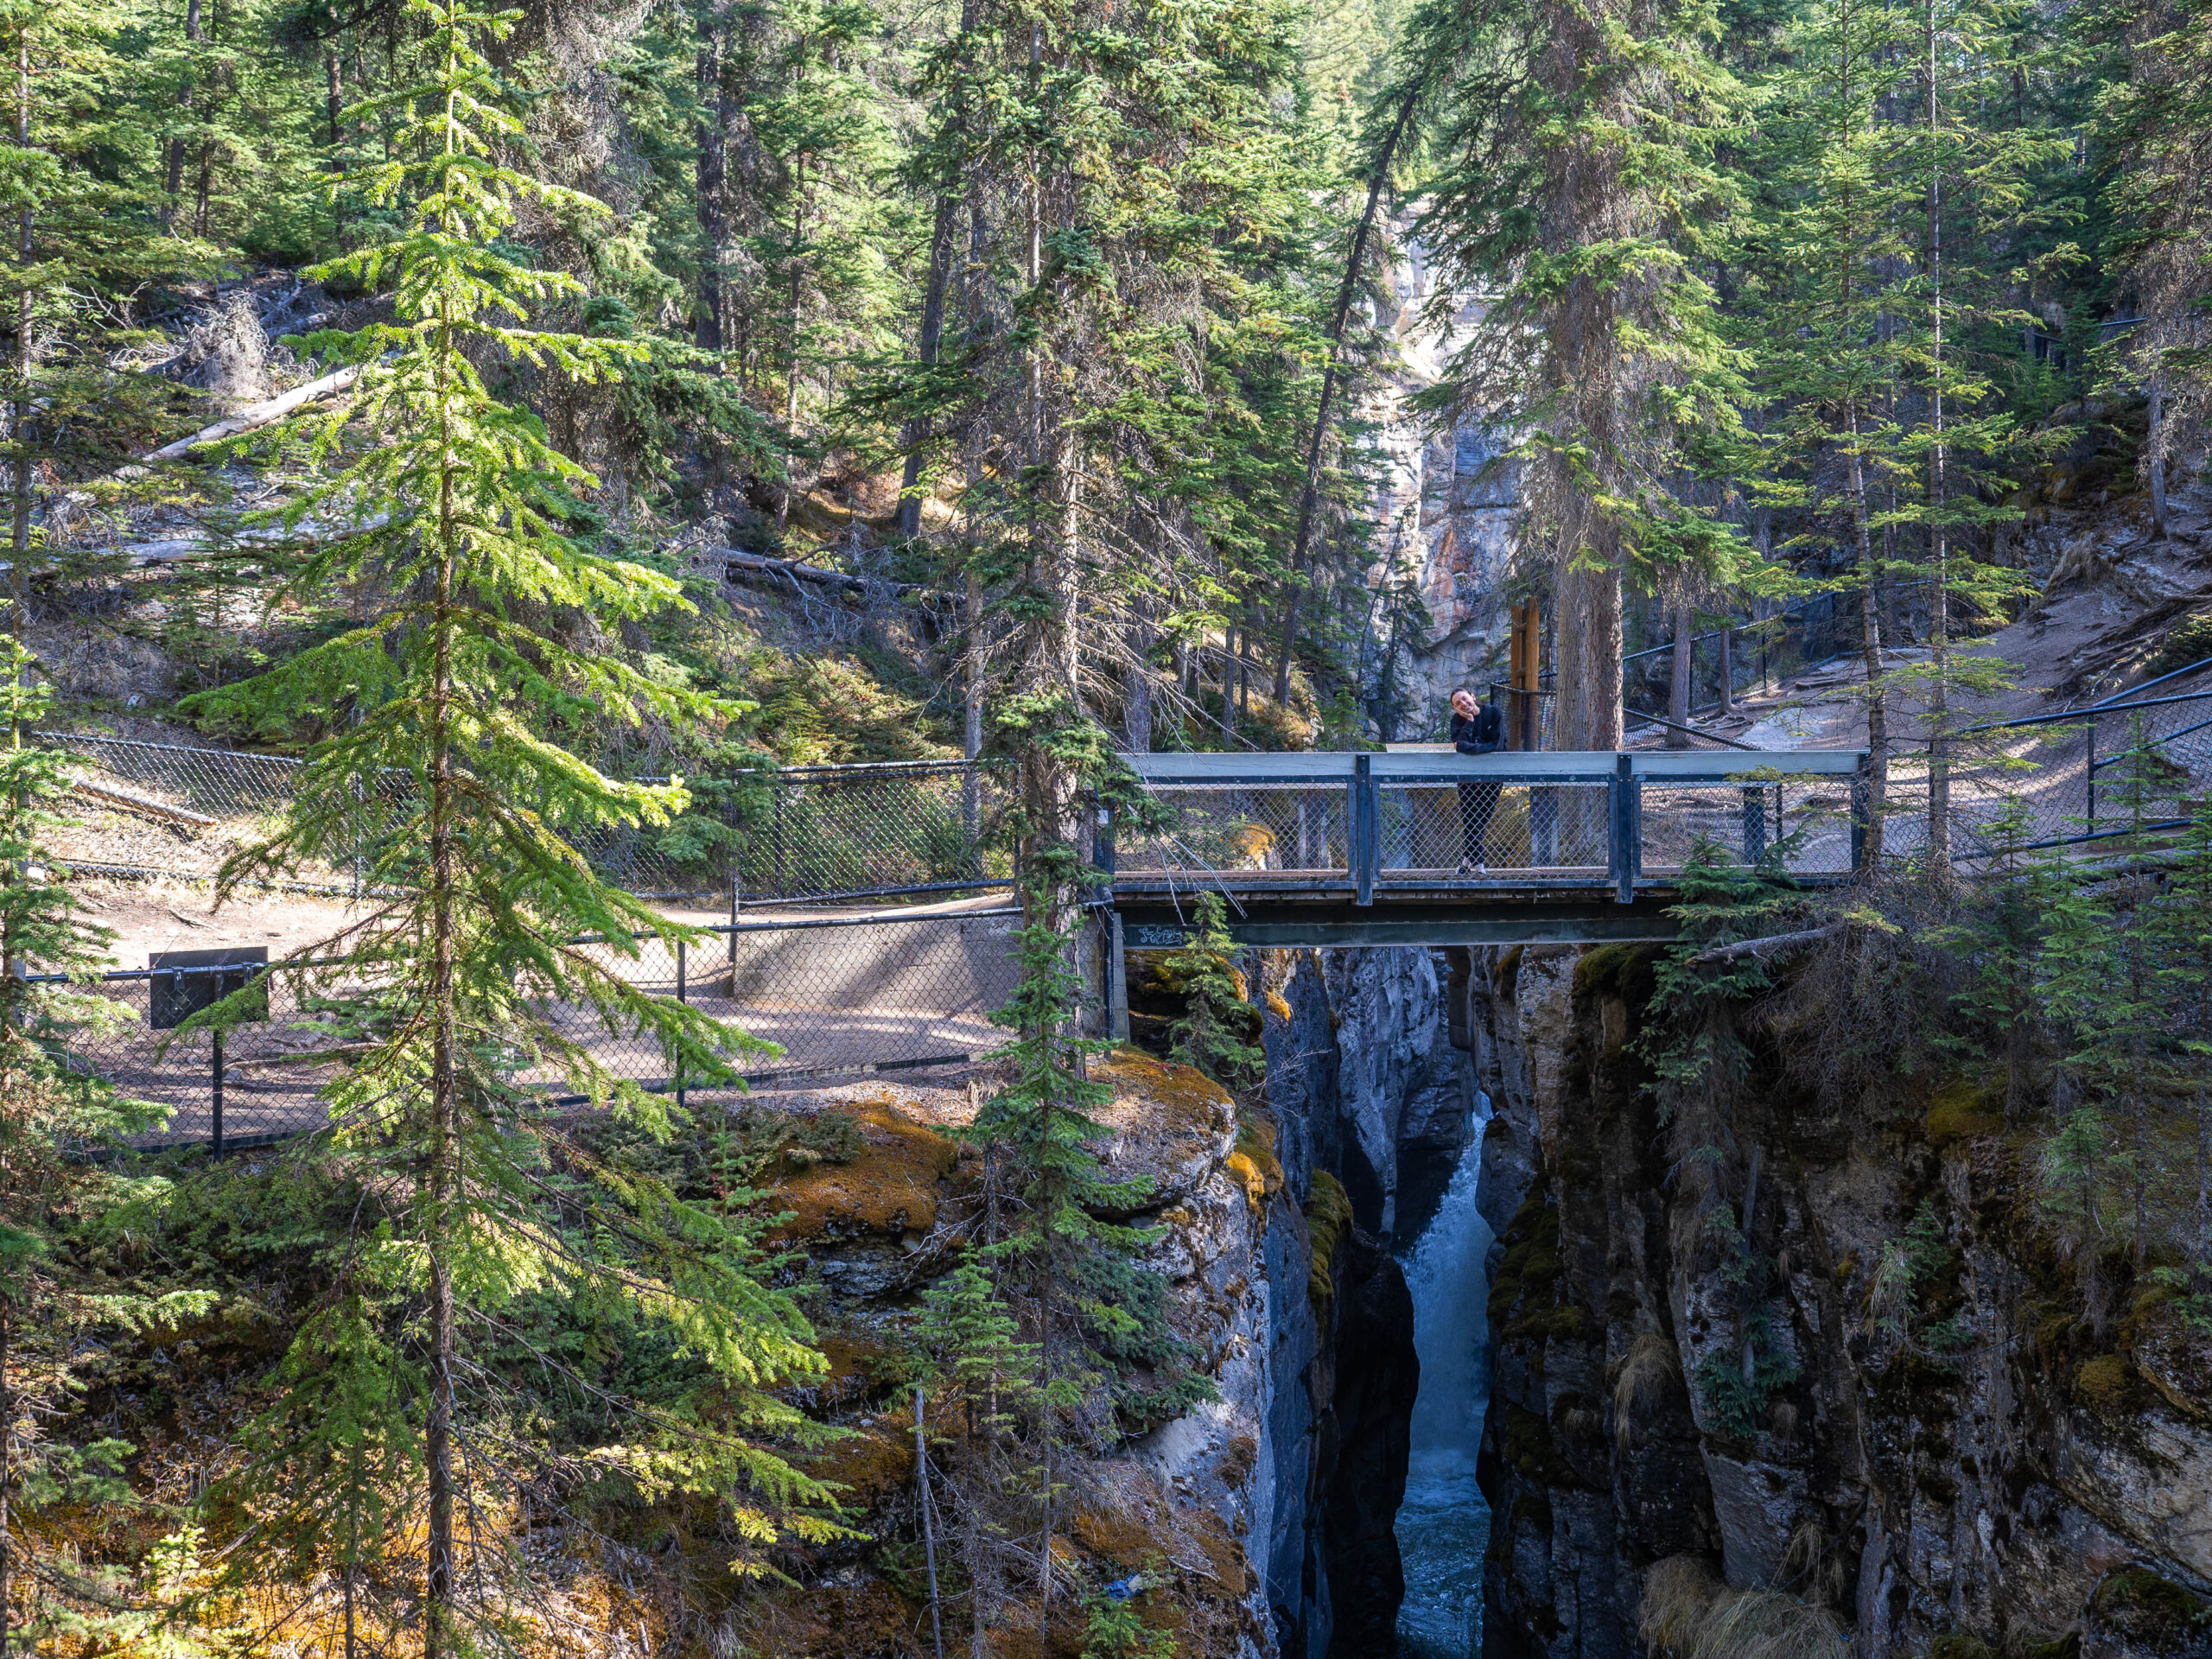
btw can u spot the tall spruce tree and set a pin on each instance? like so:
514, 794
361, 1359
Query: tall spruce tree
1577, 192
453, 507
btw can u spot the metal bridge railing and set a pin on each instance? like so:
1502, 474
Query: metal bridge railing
1358, 823
835, 994
913, 827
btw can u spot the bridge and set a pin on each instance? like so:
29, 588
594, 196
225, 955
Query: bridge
1367, 849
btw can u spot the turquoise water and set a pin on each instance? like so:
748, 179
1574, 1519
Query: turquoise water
1444, 1524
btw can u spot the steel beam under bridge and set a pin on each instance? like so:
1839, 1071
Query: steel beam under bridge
1406, 919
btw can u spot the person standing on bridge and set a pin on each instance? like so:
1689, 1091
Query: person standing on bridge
1476, 729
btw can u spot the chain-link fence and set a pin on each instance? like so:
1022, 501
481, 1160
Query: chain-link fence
795, 832
834, 994
2080, 778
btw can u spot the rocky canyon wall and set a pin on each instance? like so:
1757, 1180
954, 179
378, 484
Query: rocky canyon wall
1818, 1344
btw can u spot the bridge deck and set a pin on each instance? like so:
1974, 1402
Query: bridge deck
1427, 846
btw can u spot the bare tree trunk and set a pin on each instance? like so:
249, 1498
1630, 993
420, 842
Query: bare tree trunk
942, 235
716, 109
925, 350
790, 374
1346, 291
1136, 699
1678, 685
334, 105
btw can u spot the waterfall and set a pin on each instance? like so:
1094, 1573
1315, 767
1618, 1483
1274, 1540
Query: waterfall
1444, 1524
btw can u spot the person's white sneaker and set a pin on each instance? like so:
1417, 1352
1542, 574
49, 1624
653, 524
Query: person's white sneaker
1465, 868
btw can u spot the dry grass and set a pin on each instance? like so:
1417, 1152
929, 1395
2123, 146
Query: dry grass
1687, 1612
1643, 1379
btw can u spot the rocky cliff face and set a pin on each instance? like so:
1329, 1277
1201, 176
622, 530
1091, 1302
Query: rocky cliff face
1704, 1348
1446, 512
1371, 1098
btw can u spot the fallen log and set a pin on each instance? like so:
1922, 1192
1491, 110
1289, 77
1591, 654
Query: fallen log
737, 563
260, 414
131, 802
1772, 943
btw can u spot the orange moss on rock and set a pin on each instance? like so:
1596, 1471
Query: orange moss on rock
870, 1464
1117, 1538
888, 1186
868, 1620
1189, 1097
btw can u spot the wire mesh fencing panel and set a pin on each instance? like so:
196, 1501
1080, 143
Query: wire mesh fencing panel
902, 827
1501, 827
1748, 819
833, 995
805, 831
1294, 828
2078, 778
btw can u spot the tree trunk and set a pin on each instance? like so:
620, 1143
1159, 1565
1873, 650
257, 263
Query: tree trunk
1878, 725
440, 1639
942, 235
1678, 684
173, 175
716, 109
1586, 639
794, 300
1136, 701
19, 538
925, 350
1345, 292
2155, 443
1939, 568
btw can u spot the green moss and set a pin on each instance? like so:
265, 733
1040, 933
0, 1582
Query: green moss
2103, 1382
1957, 1646
1960, 1111
1623, 969
2067, 1646
1328, 1219
2152, 1611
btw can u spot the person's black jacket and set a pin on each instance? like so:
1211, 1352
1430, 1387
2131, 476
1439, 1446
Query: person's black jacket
1484, 734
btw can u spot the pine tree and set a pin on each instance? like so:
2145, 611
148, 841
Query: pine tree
1209, 1034
456, 512
51, 1110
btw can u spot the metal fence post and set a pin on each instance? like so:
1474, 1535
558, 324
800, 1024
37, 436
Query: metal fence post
1366, 831
2092, 773
1622, 863
216, 1115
